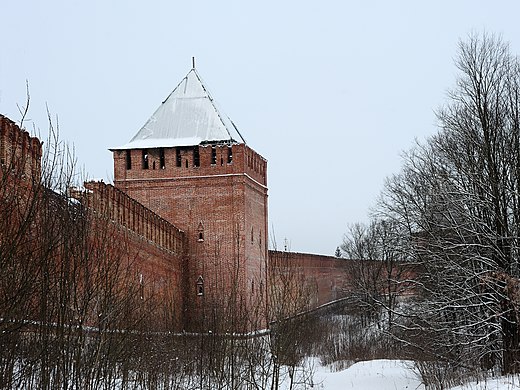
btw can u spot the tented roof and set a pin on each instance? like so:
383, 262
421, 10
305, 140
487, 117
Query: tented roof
189, 116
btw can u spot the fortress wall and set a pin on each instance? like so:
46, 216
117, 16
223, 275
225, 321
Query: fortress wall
116, 206
216, 204
327, 277
145, 250
19, 152
154, 248
330, 278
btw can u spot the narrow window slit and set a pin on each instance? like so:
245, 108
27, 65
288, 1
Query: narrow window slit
128, 159
196, 157
229, 155
162, 160
200, 286
213, 155
145, 158
178, 159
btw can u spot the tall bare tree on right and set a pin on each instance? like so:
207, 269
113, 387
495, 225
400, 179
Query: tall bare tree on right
458, 197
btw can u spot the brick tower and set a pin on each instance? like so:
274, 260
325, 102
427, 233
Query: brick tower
190, 165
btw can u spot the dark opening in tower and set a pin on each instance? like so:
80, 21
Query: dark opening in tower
178, 158
145, 158
162, 160
196, 156
128, 159
213, 155
229, 155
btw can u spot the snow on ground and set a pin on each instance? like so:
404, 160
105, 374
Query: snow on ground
370, 375
394, 375
501, 383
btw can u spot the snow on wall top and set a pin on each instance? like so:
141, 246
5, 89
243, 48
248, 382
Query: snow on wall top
189, 116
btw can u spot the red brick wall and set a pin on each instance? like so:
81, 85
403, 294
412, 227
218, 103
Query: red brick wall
224, 201
135, 236
19, 152
327, 277
154, 247
127, 212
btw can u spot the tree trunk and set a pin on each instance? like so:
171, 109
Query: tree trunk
511, 343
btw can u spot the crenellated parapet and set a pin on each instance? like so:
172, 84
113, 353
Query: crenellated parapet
20, 154
115, 205
188, 161
256, 165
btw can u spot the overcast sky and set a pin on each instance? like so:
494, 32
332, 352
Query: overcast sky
330, 92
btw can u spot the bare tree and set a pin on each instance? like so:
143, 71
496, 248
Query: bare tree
458, 200
70, 305
378, 266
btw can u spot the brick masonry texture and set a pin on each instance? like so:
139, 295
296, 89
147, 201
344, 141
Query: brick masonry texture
327, 277
193, 222
19, 152
219, 199
155, 247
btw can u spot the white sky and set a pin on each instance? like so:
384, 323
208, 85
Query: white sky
330, 92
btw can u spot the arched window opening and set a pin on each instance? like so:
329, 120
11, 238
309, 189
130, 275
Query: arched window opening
200, 286
200, 232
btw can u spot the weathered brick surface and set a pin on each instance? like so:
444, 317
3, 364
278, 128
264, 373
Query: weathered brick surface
154, 248
147, 249
187, 215
117, 206
220, 202
326, 276
19, 152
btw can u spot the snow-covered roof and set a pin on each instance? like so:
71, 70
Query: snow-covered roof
189, 116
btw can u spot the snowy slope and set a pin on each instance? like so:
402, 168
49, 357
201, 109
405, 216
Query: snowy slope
393, 375
370, 375
502, 383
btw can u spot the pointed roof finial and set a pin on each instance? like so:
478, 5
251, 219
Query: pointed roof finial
193, 62
189, 116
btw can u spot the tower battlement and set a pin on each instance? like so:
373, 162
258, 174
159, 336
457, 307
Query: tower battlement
113, 204
184, 161
20, 154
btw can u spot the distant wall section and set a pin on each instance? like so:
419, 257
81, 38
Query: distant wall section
326, 278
